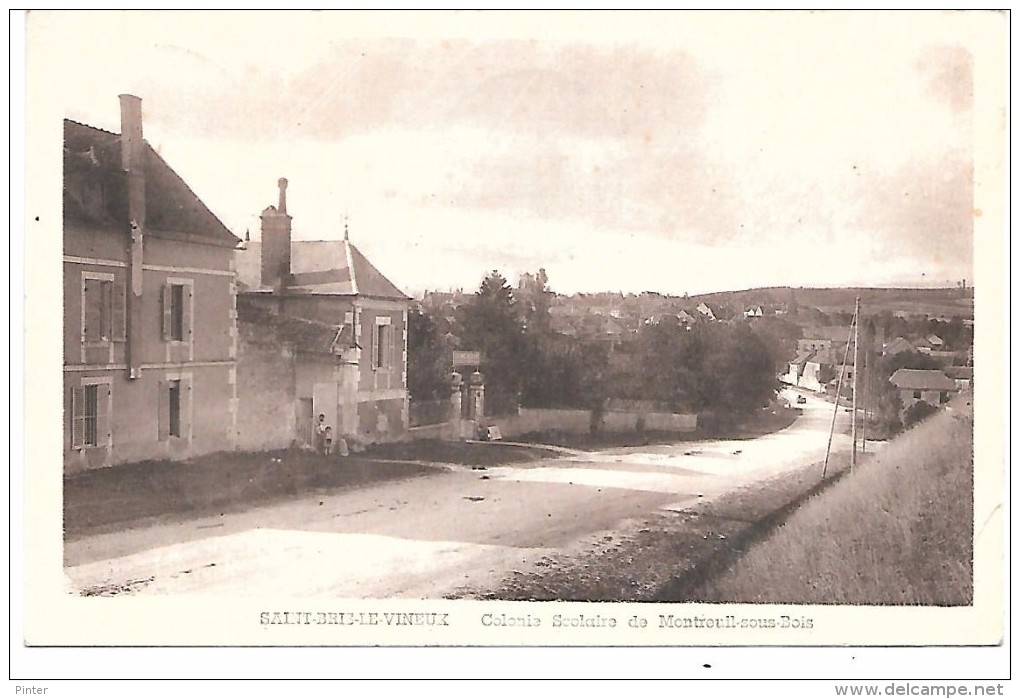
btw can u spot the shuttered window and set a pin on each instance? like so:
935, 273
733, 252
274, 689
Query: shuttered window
90, 416
175, 305
174, 409
102, 310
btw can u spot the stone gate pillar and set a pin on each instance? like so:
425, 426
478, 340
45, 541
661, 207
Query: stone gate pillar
454, 419
476, 395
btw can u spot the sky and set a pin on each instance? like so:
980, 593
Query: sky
679, 152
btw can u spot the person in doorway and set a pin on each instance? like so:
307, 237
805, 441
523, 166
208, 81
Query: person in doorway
320, 433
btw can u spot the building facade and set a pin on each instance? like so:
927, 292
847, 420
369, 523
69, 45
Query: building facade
364, 393
149, 312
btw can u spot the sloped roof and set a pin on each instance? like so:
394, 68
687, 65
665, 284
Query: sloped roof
836, 333
262, 327
897, 346
334, 267
922, 380
830, 357
95, 189
959, 372
802, 357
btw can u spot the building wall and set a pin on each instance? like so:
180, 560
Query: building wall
907, 397
134, 416
579, 421
373, 403
266, 392
205, 362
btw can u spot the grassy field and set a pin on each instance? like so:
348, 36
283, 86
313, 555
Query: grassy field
896, 531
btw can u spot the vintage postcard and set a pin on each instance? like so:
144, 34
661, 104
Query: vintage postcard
515, 329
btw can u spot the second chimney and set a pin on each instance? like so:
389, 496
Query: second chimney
276, 242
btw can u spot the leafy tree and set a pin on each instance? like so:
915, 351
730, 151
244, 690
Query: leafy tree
714, 367
534, 299
918, 412
490, 323
427, 358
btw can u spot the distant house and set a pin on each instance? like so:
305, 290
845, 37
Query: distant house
825, 337
819, 369
148, 291
796, 369
364, 392
898, 346
928, 385
754, 312
706, 311
685, 318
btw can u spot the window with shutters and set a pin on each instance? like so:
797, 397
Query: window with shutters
103, 304
174, 416
91, 405
176, 305
174, 408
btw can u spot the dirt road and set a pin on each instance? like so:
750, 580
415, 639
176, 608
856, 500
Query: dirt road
433, 536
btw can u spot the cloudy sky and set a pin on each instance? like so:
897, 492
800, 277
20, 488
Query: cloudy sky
676, 153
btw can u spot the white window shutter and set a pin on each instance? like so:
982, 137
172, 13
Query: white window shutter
104, 434
77, 418
165, 305
163, 414
119, 311
375, 346
91, 301
393, 348
186, 334
185, 409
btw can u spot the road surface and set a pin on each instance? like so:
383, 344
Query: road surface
431, 536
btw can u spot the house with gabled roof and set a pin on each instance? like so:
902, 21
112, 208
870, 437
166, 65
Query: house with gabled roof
364, 393
149, 305
705, 310
929, 385
898, 345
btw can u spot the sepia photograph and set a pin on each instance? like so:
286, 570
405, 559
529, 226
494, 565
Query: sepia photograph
539, 328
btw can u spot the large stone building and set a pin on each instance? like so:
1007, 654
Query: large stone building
149, 314
359, 381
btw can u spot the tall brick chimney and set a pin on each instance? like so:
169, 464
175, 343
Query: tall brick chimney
276, 242
132, 160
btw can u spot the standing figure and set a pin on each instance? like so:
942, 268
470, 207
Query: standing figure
320, 433
327, 441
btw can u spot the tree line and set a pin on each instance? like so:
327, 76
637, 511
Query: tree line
723, 371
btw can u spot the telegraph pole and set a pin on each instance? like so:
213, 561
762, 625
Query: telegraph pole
839, 392
857, 378
867, 405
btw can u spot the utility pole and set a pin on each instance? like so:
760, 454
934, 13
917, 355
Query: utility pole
856, 382
839, 391
865, 400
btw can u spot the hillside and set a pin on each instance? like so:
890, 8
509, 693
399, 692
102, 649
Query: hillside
950, 302
895, 531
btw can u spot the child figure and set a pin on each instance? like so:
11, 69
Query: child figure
327, 441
